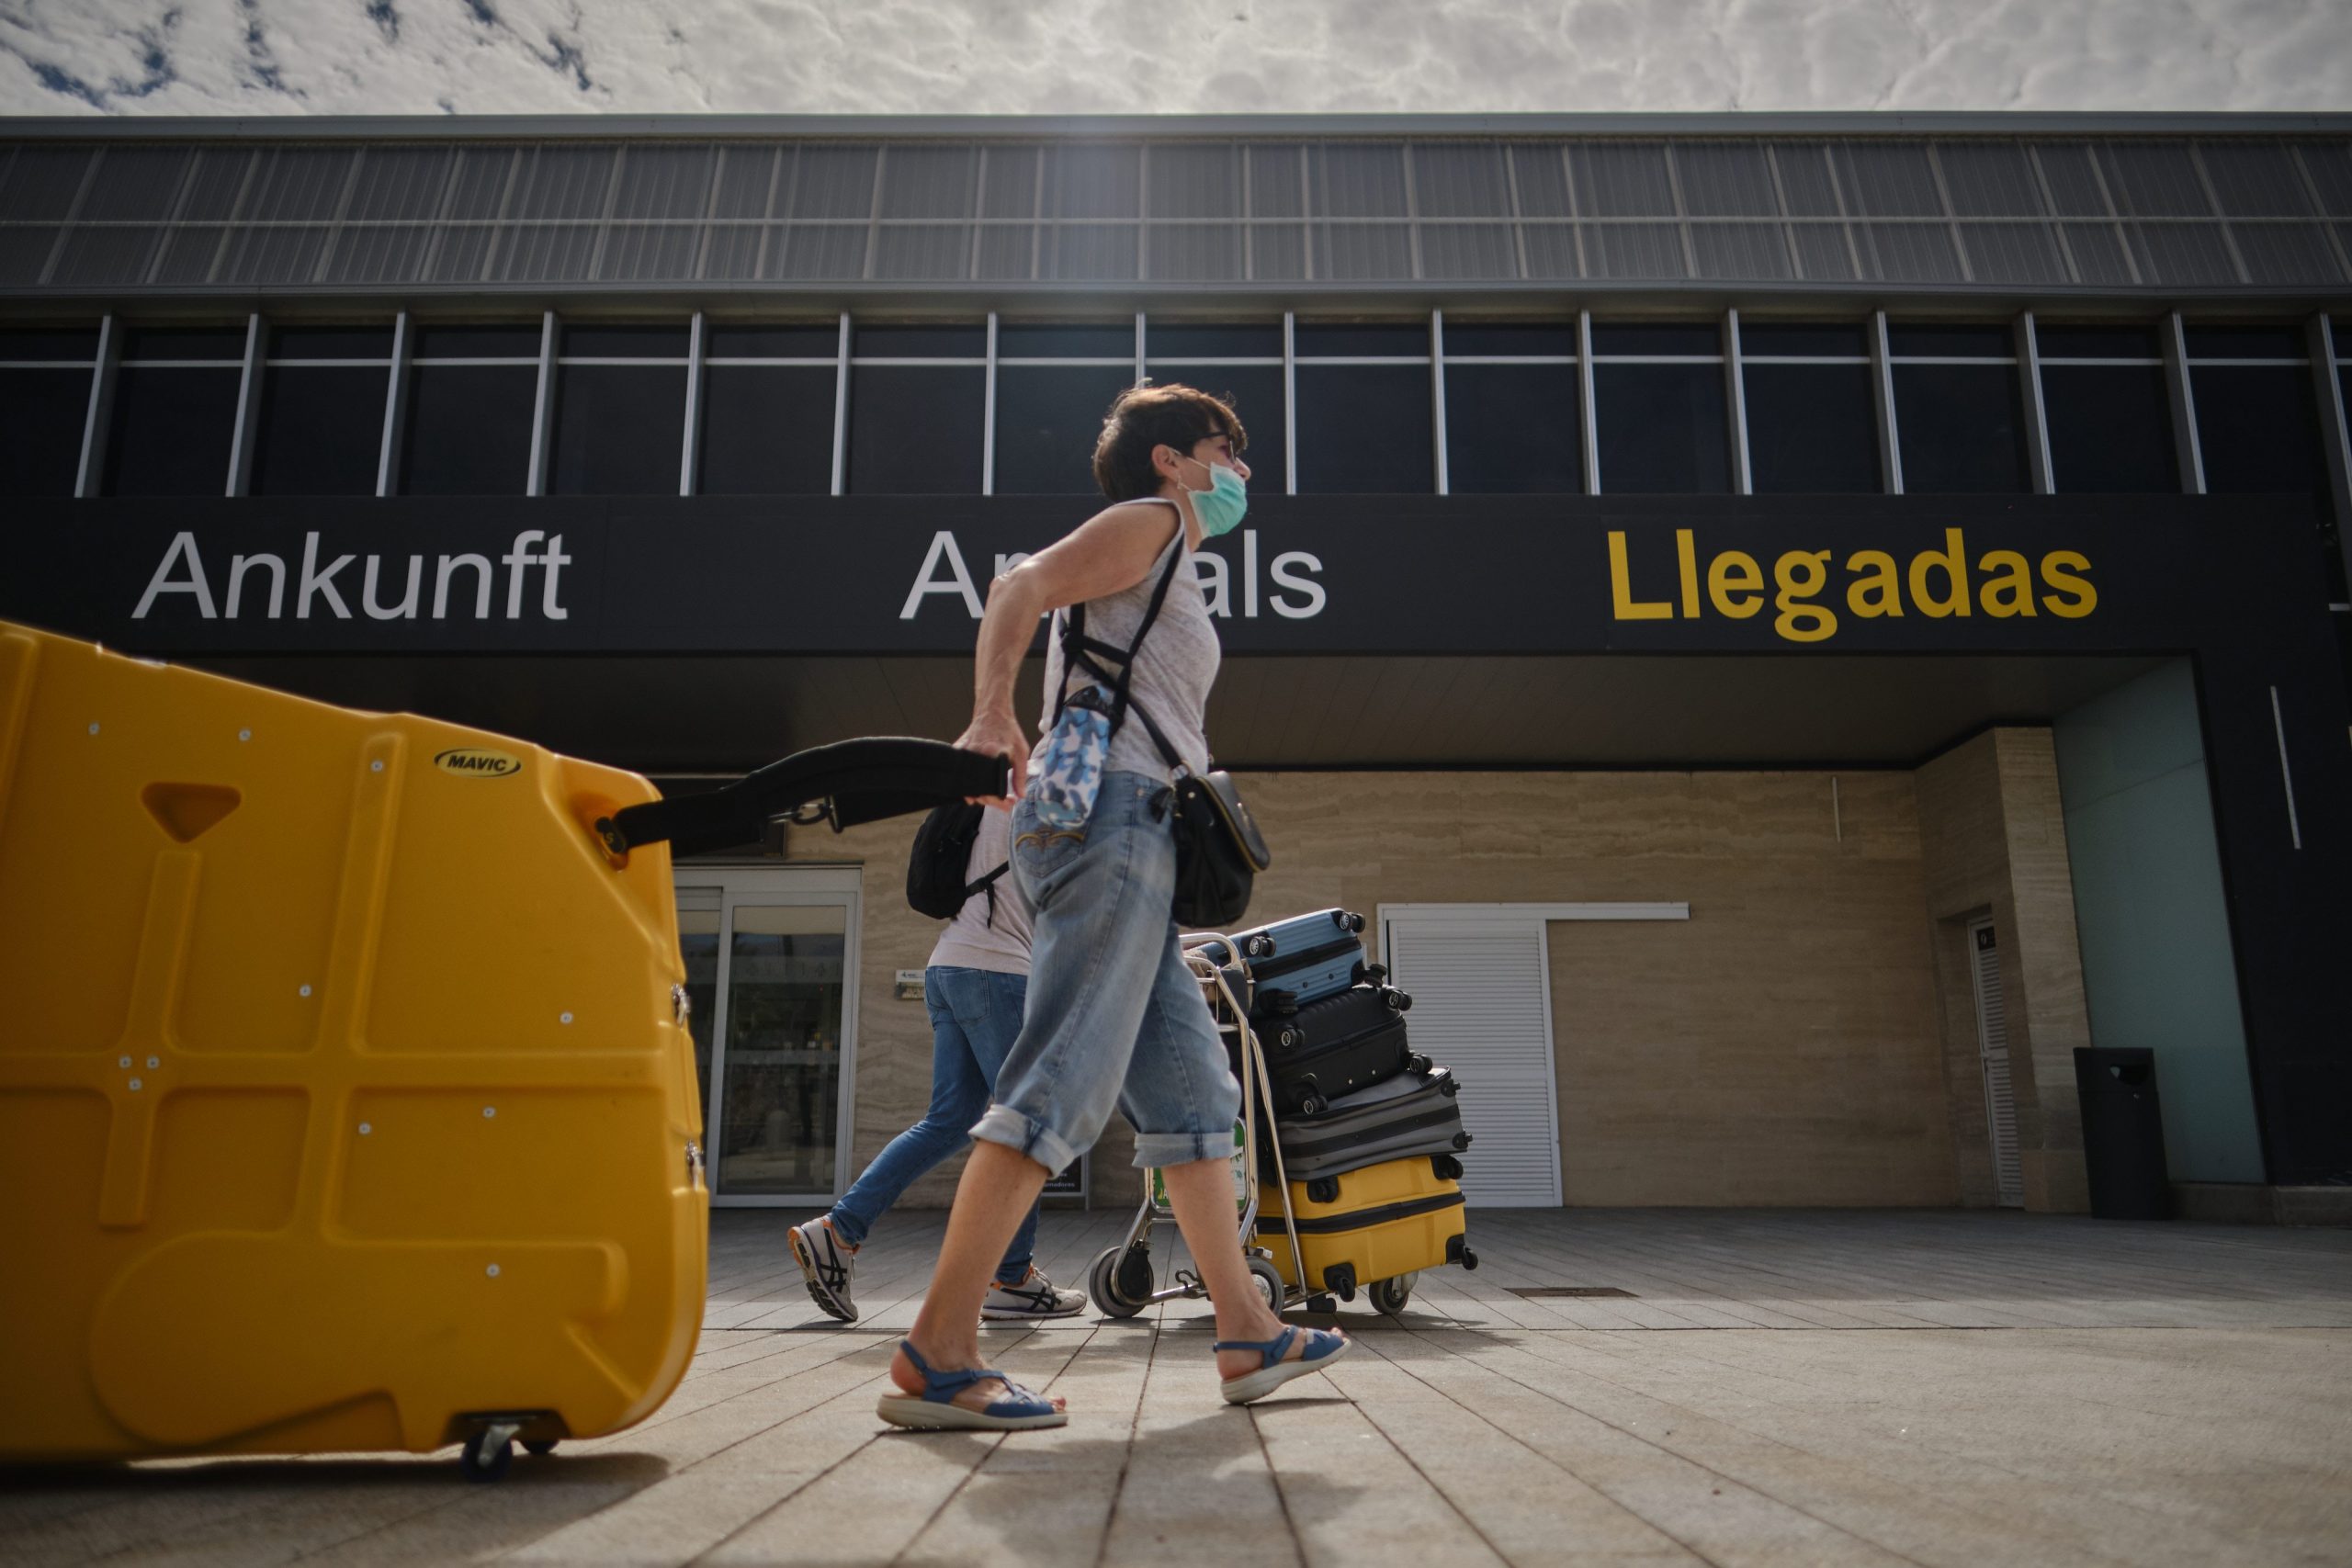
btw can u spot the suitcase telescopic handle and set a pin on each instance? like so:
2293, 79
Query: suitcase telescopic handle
843, 785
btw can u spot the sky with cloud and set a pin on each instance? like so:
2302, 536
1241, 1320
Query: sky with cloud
252, 57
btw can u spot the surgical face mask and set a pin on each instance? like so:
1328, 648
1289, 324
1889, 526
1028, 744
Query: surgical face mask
1219, 507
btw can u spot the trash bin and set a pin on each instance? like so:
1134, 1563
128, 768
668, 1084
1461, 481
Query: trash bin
2123, 1132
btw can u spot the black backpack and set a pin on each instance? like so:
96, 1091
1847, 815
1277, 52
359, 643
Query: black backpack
936, 885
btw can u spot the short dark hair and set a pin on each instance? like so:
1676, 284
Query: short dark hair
1144, 417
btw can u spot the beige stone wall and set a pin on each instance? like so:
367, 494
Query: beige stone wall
1994, 841
1783, 1046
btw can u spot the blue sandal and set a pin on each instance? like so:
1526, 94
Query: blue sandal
935, 1409
1323, 1348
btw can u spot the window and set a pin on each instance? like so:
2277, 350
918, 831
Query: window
917, 398
1365, 421
620, 410
44, 399
1661, 408
1812, 422
175, 410
1241, 362
1512, 420
321, 426
1053, 385
2257, 425
767, 409
2109, 416
1959, 413
472, 393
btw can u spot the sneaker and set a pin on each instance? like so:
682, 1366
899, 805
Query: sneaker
1035, 1296
827, 1265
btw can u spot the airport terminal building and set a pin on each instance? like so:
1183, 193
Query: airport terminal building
1789, 624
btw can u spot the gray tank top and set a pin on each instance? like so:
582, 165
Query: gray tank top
1174, 670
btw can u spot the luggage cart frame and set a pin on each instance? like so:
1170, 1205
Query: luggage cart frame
1122, 1280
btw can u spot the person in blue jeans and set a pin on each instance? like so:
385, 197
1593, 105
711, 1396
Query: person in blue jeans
977, 987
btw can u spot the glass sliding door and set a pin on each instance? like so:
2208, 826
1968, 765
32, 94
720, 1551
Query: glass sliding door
770, 954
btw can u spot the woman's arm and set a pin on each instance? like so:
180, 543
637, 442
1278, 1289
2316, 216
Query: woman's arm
1111, 550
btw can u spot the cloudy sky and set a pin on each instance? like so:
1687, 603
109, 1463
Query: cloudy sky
1165, 56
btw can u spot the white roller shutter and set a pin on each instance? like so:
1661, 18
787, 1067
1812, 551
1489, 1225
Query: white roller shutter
1482, 1007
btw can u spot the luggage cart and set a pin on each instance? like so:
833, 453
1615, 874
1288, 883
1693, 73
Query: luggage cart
1122, 1280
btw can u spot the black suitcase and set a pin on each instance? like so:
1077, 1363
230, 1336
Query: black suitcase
1335, 1046
1412, 1113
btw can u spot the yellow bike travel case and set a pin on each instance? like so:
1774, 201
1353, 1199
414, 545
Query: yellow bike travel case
346, 1097
1382, 1222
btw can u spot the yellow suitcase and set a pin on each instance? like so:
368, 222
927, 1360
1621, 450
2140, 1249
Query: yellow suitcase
1375, 1228
346, 1100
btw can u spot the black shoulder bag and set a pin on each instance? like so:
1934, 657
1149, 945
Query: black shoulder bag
942, 852
1219, 851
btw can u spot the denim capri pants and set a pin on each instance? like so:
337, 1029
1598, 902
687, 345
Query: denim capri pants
1115, 1018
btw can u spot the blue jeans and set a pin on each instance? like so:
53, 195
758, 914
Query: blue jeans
974, 1015
1116, 1019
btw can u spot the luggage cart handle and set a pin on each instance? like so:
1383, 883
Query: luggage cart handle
846, 784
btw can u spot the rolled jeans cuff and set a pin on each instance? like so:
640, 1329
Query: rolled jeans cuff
1156, 1149
1025, 1136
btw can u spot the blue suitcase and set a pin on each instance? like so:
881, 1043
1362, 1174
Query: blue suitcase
1296, 961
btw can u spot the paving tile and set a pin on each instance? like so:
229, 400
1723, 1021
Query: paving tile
1776, 1387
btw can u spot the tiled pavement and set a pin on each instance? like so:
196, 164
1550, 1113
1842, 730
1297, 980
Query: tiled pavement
1776, 1388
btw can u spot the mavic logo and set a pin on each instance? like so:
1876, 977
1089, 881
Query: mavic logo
478, 763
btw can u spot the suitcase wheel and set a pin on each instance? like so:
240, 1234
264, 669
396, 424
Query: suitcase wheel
488, 1453
1341, 1278
1113, 1271
1374, 973
1320, 1304
1389, 1296
1259, 947
1269, 1280
1312, 1104
1347, 921
1445, 1167
1323, 1190
1399, 1002
1457, 1250
1417, 1063
538, 1448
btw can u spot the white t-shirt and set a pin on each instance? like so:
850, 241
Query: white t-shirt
973, 940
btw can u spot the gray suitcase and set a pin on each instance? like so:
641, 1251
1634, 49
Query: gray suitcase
1412, 1113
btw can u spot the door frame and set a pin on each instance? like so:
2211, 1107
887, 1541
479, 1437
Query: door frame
1540, 916
766, 883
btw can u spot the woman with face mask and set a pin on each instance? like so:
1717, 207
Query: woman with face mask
1115, 1018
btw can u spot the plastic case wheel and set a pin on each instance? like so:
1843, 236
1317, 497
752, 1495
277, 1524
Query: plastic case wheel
538, 1448
1268, 1281
1389, 1296
1102, 1283
483, 1459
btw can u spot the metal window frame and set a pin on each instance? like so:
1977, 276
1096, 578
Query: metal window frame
1290, 395
1437, 397
1587, 416
99, 418
534, 482
248, 418
1743, 476
2182, 398
690, 448
2037, 412
841, 408
1889, 433
2327, 370
395, 431
988, 414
